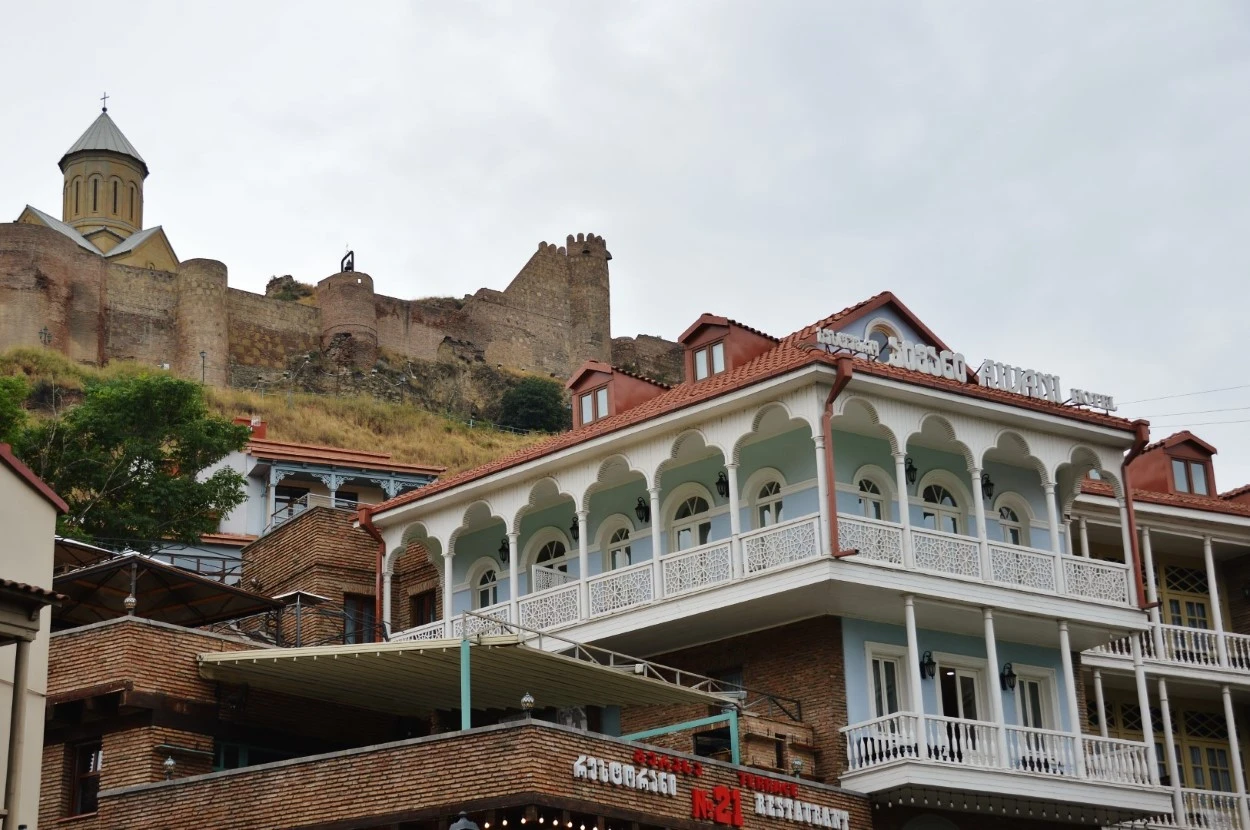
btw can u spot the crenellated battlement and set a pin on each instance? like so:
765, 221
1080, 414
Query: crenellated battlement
583, 244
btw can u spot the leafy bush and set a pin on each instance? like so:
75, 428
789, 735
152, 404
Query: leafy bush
535, 404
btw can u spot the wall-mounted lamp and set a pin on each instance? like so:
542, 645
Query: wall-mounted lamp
987, 485
504, 550
574, 530
169, 765
722, 484
796, 767
642, 510
928, 666
1007, 678
909, 469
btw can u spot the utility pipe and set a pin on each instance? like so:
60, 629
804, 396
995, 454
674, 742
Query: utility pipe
1141, 437
366, 521
845, 368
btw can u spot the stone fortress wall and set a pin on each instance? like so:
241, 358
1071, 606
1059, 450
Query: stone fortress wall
554, 315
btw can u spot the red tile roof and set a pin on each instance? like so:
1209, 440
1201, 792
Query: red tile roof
1179, 438
33, 481
608, 368
1213, 504
791, 353
706, 319
1239, 491
33, 591
318, 454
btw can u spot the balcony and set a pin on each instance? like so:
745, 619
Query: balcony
1189, 650
904, 754
960, 557
1204, 810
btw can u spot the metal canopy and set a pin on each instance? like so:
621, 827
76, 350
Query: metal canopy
162, 592
417, 677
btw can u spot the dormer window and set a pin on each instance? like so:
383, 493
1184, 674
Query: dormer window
594, 405
710, 360
1190, 477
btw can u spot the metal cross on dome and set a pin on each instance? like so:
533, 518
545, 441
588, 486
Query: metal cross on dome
104, 99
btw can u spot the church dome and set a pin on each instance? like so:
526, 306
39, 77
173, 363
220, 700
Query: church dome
104, 136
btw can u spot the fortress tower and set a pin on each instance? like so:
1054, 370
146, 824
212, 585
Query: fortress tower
103, 194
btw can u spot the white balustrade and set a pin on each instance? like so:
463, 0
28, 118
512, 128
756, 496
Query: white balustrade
493, 619
781, 544
1041, 750
1190, 646
1096, 579
622, 588
882, 740
1205, 809
699, 567
429, 631
545, 577
946, 553
1024, 568
966, 742
874, 539
1115, 761
1122, 647
1238, 646
547, 609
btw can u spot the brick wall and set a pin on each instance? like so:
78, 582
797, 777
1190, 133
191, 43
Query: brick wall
491, 768
801, 661
268, 333
414, 573
140, 323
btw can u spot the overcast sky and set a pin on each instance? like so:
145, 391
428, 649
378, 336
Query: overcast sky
1060, 185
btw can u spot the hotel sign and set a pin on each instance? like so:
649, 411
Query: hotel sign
1034, 384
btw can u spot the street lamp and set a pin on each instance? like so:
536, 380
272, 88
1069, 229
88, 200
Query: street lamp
203, 366
527, 703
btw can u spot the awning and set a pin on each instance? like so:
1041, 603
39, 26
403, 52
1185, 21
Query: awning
417, 677
162, 592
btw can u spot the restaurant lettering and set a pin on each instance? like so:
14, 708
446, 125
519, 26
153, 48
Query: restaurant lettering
625, 775
1034, 384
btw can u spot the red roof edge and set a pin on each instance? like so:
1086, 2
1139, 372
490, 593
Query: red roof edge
1180, 438
35, 482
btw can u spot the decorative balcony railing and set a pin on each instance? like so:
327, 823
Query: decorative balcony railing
1190, 647
697, 568
781, 544
620, 589
545, 577
492, 619
430, 631
547, 609
949, 554
934, 739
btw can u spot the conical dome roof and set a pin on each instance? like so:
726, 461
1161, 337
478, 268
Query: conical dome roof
104, 135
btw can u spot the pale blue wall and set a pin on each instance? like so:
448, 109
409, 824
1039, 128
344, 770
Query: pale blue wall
859, 327
855, 633
623, 500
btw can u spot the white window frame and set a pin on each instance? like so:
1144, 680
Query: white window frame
540, 539
967, 663
886, 327
884, 482
476, 571
595, 402
949, 481
755, 483
1024, 513
1049, 681
608, 527
680, 495
888, 651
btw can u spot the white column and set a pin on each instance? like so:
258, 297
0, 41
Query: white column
583, 562
904, 508
1234, 751
1067, 537
387, 573
514, 582
1126, 539
822, 492
657, 533
1143, 702
1169, 751
1152, 594
1101, 703
996, 692
17, 734
1217, 613
1084, 537
913, 660
1052, 517
447, 582
1069, 689
978, 504
735, 520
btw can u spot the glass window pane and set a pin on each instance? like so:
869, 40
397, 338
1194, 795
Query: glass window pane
968, 696
588, 409
700, 364
875, 510
1034, 691
601, 399
1178, 475
683, 538
718, 358
1199, 475
705, 530
890, 676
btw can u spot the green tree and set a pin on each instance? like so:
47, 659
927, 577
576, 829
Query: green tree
127, 460
535, 403
13, 390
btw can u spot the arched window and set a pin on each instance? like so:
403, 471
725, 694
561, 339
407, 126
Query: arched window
880, 331
619, 554
115, 199
132, 202
95, 194
768, 504
1014, 531
77, 195
941, 510
553, 554
487, 591
691, 526
871, 499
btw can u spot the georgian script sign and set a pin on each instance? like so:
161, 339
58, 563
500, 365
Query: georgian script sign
835, 340
921, 358
628, 776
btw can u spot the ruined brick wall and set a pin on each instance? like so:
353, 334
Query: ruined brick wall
416, 328
268, 333
49, 282
141, 322
653, 357
348, 318
802, 660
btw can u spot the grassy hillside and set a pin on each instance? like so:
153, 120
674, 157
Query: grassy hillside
411, 435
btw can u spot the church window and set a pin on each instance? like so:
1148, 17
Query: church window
77, 200
95, 194
132, 203
114, 198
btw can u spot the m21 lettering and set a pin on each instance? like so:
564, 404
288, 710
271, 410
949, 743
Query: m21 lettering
719, 805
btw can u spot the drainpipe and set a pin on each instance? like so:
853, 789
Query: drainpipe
845, 367
366, 521
1141, 437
